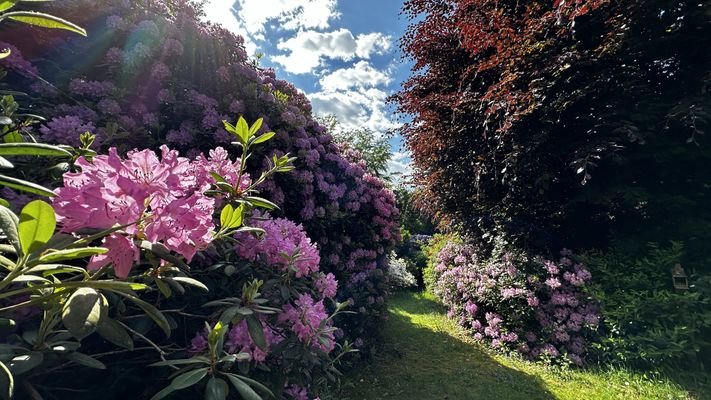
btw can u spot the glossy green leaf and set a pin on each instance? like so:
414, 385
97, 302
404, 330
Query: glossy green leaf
242, 129
216, 389
85, 360
244, 390
188, 379
4, 53
7, 382
25, 186
260, 202
44, 20
255, 126
71, 254
32, 149
37, 224
114, 332
84, 311
231, 217
25, 362
259, 386
191, 282
163, 393
7, 4
151, 311
4, 163
9, 224
183, 361
256, 332
264, 137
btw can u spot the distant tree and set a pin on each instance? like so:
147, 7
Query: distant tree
373, 147
412, 219
577, 121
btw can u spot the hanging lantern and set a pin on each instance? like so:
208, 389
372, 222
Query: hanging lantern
679, 278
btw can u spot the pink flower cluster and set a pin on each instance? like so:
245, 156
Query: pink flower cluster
161, 200
538, 309
240, 341
307, 318
284, 244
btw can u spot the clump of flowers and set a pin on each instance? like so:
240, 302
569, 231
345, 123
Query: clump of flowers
161, 200
539, 308
283, 244
398, 274
308, 319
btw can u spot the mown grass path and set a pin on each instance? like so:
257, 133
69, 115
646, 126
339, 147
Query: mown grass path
427, 357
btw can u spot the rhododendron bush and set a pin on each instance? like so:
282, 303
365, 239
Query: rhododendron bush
158, 76
538, 308
182, 245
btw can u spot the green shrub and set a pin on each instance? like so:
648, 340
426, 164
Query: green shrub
431, 252
648, 322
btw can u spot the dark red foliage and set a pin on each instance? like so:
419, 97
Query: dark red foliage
515, 104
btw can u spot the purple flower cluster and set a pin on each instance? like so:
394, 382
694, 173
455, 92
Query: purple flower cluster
283, 244
539, 308
240, 341
308, 319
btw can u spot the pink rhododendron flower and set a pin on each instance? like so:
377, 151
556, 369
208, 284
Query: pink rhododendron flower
305, 318
165, 194
284, 244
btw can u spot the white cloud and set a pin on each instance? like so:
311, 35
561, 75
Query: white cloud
252, 16
308, 49
355, 109
400, 169
361, 75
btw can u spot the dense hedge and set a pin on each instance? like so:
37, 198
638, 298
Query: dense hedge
151, 73
533, 119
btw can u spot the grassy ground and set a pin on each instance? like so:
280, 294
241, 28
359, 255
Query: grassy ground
427, 357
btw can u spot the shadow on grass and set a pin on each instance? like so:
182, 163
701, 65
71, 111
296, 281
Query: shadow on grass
421, 360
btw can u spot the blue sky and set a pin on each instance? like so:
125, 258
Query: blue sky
342, 53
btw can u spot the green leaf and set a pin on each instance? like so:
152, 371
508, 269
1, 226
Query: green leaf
71, 254
264, 137
9, 224
151, 311
256, 332
216, 389
231, 217
84, 311
255, 126
25, 362
114, 332
7, 4
191, 282
7, 382
265, 390
85, 360
244, 390
188, 379
25, 186
183, 361
243, 129
44, 20
4, 53
260, 202
32, 149
4, 163
37, 223
216, 335
164, 288
13, 137
163, 393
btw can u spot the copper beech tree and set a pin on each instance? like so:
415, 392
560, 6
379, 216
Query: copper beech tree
530, 118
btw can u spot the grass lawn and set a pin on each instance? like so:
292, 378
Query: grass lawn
426, 356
